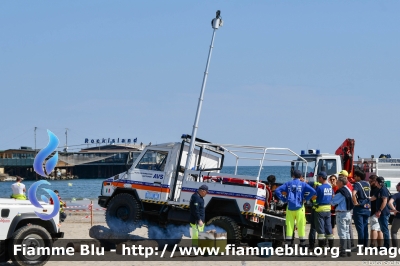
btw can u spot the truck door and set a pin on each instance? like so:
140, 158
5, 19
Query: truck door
151, 168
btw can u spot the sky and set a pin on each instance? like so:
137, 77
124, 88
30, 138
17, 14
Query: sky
291, 74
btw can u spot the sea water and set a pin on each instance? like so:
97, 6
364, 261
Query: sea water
89, 189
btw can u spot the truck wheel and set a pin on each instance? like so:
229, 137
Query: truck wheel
230, 226
32, 236
123, 213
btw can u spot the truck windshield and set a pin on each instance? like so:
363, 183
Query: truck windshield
153, 160
302, 167
328, 166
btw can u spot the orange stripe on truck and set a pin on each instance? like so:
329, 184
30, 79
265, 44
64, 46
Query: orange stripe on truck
261, 202
141, 187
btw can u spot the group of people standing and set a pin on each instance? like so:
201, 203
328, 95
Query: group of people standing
336, 201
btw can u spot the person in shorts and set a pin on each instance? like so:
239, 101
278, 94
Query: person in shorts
381, 199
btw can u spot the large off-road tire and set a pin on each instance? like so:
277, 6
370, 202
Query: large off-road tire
230, 226
32, 236
123, 214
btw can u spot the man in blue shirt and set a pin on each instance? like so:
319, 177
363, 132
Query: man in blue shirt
344, 204
362, 203
382, 211
295, 213
322, 218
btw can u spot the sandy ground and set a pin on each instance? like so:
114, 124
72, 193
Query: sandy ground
77, 226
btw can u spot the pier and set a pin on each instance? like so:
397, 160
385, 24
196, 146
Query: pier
94, 162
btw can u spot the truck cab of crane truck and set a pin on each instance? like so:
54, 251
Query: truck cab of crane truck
317, 162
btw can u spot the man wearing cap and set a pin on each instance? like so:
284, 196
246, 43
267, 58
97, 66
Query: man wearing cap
346, 174
295, 196
18, 189
197, 213
396, 221
362, 204
382, 211
322, 218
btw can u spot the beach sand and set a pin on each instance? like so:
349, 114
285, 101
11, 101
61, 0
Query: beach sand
78, 224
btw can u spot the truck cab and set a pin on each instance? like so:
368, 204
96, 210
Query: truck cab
317, 162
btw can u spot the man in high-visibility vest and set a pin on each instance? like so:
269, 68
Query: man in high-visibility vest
313, 230
322, 218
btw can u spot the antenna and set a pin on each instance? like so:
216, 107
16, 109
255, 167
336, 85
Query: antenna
215, 23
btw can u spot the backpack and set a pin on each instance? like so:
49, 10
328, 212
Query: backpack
349, 200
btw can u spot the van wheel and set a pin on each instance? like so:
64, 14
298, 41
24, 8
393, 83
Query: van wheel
123, 214
230, 226
32, 236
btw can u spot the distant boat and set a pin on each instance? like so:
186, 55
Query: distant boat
6, 177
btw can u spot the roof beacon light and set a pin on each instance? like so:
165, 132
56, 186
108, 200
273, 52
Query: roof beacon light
318, 152
303, 152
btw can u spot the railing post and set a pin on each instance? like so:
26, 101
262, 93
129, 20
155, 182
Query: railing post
91, 213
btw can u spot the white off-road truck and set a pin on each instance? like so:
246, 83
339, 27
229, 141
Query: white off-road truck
19, 225
154, 189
